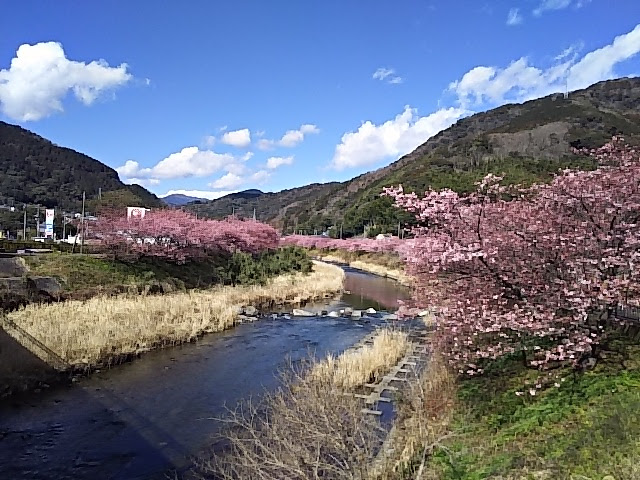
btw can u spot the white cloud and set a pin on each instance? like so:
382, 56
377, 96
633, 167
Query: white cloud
145, 182
372, 143
233, 181
191, 162
550, 5
209, 195
230, 180
388, 74
521, 81
275, 162
290, 139
514, 17
260, 177
237, 138
209, 141
598, 65
569, 52
382, 73
40, 76
188, 162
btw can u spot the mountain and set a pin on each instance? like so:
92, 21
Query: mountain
527, 142
179, 200
36, 171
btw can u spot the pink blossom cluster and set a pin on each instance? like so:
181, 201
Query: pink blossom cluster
180, 236
531, 271
369, 245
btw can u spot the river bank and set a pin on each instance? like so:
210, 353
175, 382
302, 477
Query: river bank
142, 418
80, 336
386, 265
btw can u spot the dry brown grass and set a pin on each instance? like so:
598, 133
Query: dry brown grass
423, 422
365, 364
103, 330
306, 430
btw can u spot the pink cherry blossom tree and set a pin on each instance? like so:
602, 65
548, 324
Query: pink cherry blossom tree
178, 236
536, 272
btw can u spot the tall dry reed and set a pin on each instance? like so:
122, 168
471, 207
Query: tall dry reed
365, 364
106, 329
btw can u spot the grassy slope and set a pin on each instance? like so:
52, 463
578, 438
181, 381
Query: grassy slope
88, 275
587, 428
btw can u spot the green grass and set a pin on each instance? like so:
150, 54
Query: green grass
83, 273
587, 428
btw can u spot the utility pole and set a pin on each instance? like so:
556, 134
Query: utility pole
99, 193
341, 231
82, 238
254, 214
24, 224
38, 222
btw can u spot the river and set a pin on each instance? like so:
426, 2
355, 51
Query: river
147, 418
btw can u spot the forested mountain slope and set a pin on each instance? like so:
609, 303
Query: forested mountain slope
527, 141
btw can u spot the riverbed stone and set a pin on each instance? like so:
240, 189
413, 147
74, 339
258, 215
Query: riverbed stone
13, 267
250, 310
371, 311
298, 312
424, 313
356, 314
333, 314
47, 285
390, 316
348, 311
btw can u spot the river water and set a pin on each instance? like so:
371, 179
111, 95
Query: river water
148, 418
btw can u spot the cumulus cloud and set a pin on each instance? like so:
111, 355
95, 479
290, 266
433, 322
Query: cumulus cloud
372, 143
145, 182
275, 162
550, 5
521, 81
188, 162
233, 181
514, 17
40, 76
260, 177
209, 195
237, 138
230, 180
386, 74
291, 138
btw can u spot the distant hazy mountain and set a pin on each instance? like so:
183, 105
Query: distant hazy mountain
179, 200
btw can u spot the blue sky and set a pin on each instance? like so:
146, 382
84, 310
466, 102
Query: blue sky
227, 95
